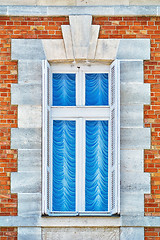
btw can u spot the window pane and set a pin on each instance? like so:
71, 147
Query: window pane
63, 165
96, 89
96, 186
64, 89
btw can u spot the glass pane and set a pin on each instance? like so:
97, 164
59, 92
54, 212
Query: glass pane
96, 89
96, 186
64, 89
63, 165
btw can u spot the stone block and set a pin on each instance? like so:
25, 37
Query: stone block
131, 116
26, 94
80, 233
134, 49
29, 160
132, 203
3, 10
29, 72
26, 138
131, 71
66, 31
131, 233
93, 41
56, 3
135, 182
135, 93
107, 49
26, 49
132, 161
26, 182
99, 10
54, 49
29, 204
29, 116
144, 2
101, 2
135, 10
111, 49
135, 138
81, 32
18, 2
29, 233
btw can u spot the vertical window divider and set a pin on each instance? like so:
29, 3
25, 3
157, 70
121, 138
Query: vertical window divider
80, 165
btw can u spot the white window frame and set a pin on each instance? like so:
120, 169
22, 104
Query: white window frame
80, 113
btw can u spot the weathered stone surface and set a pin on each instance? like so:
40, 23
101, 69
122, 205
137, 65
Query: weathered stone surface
26, 94
27, 11
56, 3
63, 11
29, 233
135, 182
29, 49
131, 233
29, 116
3, 10
133, 49
79, 2
135, 10
83, 222
144, 2
58, 10
18, 2
54, 49
131, 71
135, 138
111, 49
93, 41
66, 31
132, 203
80, 233
132, 161
131, 116
81, 32
29, 72
26, 182
26, 138
135, 93
29, 204
101, 2
29, 159
107, 49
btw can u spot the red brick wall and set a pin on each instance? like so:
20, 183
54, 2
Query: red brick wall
49, 27
152, 233
8, 233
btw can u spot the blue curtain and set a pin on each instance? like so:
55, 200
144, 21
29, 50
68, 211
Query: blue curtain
64, 89
63, 165
96, 186
96, 89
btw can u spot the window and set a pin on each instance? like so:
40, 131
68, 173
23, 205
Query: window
80, 139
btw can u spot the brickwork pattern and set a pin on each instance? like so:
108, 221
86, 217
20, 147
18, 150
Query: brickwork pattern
50, 28
152, 233
8, 233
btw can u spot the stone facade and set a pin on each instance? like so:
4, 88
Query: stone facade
26, 40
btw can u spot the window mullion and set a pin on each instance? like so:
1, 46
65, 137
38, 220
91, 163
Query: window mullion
80, 88
80, 165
